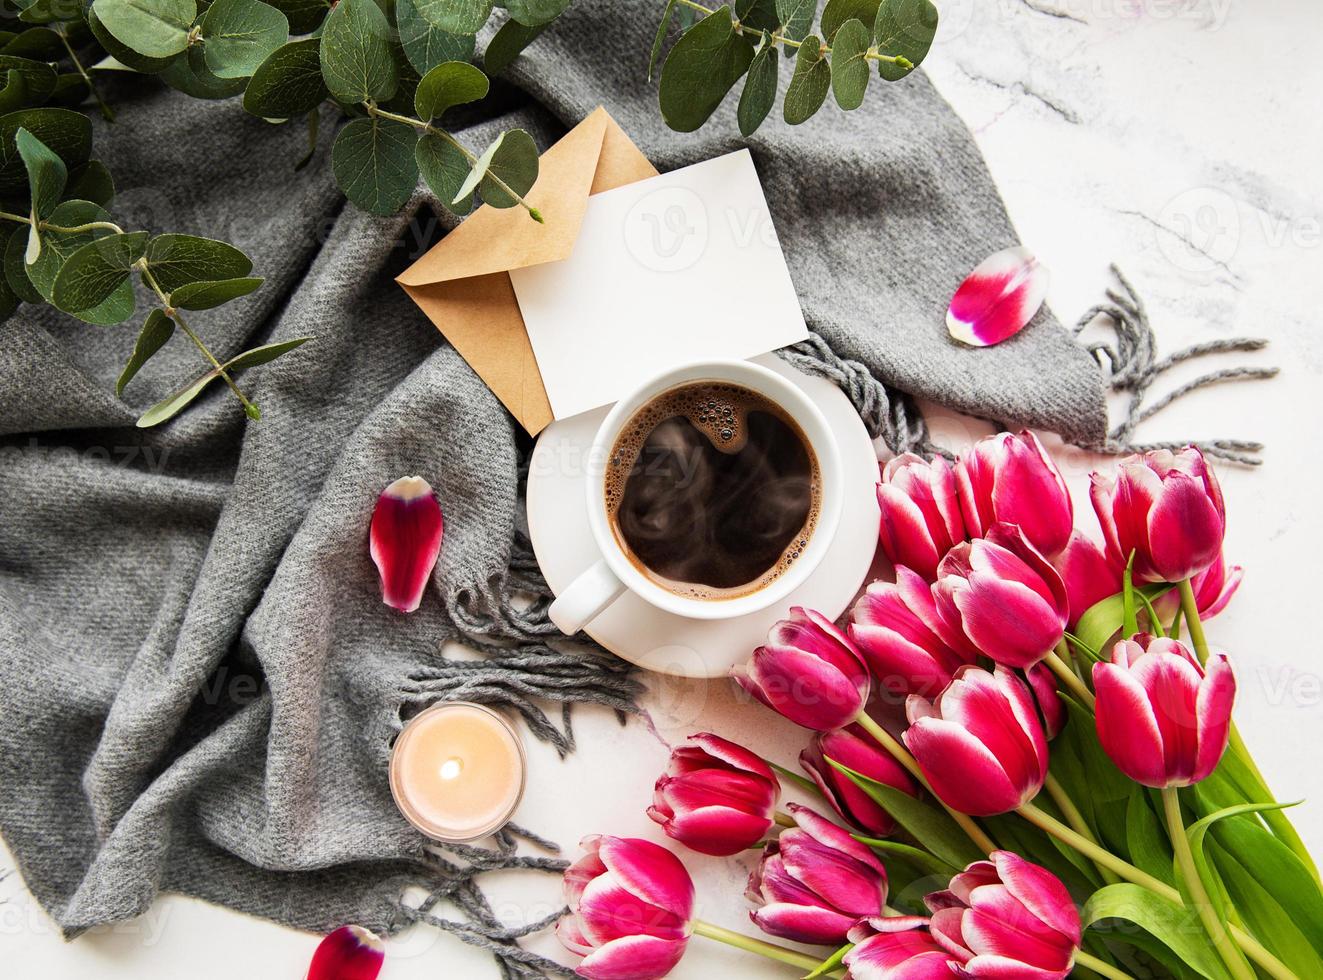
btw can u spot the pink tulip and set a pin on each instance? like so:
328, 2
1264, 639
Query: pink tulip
1164, 507
897, 947
715, 796
1213, 589
855, 749
1010, 478
1003, 597
1043, 686
1162, 718
896, 628
808, 671
631, 909
980, 745
920, 512
348, 953
1007, 918
405, 540
815, 882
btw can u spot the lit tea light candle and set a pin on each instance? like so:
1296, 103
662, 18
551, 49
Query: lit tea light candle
457, 771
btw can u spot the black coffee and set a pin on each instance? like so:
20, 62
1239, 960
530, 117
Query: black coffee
712, 490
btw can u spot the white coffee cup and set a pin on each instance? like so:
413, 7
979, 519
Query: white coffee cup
593, 591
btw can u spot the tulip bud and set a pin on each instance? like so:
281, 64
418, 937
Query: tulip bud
1011, 479
405, 540
1164, 507
1043, 686
815, 882
1162, 718
1003, 597
855, 749
920, 512
348, 953
808, 671
980, 745
1006, 917
896, 628
631, 909
715, 796
897, 947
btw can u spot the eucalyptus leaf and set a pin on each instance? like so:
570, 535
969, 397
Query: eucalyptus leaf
508, 44
447, 85
16, 271
176, 260
56, 249
205, 295
96, 270
535, 13
36, 79
70, 90
444, 167
168, 408
1173, 924
238, 35
758, 16
426, 46
837, 12
659, 39
44, 11
700, 69
47, 174
264, 354
40, 43
515, 165
808, 85
153, 28
904, 28
14, 94
67, 133
796, 17
189, 74
156, 330
304, 16
356, 53
849, 69
373, 161
478, 170
759, 93
288, 83
121, 52
456, 16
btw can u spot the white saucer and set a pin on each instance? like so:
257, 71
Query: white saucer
645, 635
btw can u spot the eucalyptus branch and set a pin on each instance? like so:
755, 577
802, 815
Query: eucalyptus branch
776, 37
107, 113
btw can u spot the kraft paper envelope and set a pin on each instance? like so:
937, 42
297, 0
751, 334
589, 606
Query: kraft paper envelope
463, 285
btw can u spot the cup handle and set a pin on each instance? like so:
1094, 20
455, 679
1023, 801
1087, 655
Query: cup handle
585, 598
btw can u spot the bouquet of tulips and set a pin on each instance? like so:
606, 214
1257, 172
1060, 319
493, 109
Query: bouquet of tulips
1026, 743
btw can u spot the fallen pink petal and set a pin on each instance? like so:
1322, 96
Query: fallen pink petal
406, 540
998, 298
348, 953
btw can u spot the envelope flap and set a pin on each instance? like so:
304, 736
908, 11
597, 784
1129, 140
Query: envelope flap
497, 239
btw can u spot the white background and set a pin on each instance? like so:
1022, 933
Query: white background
1108, 125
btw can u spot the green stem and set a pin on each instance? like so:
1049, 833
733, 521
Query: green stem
770, 950
1076, 821
1100, 967
1154, 622
24, 219
469, 155
884, 738
1213, 924
106, 112
1079, 644
802, 782
1174, 630
1070, 679
1190, 607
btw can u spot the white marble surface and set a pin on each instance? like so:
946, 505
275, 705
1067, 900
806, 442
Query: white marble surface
1177, 137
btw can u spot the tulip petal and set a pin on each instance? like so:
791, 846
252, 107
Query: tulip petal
405, 540
348, 953
717, 830
582, 871
572, 937
1216, 695
1039, 891
898, 956
1088, 574
1008, 968
800, 686
803, 923
998, 298
607, 911
1127, 727
735, 756
827, 833
903, 533
1184, 529
1005, 929
633, 958
1009, 621
960, 769
649, 872
1044, 685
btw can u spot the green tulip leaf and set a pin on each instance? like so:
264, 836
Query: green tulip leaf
808, 85
1146, 840
176, 260
444, 168
356, 53
288, 83
837, 12
205, 295
796, 17
373, 161
238, 35
700, 69
456, 16
156, 330
56, 249
1103, 620
426, 46
759, 93
535, 13
66, 133
916, 857
447, 85
1176, 926
95, 270
849, 68
904, 29
153, 28
514, 165
507, 45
